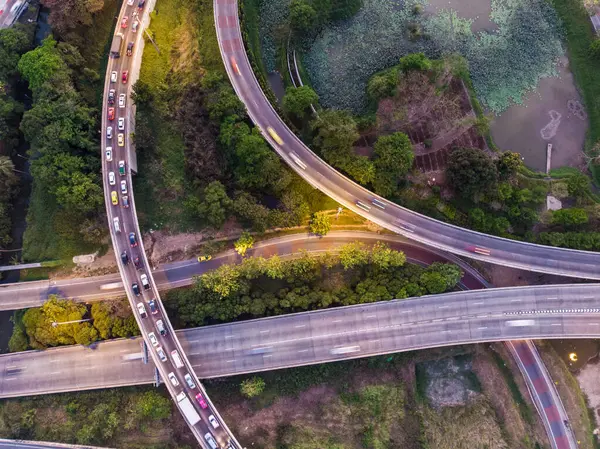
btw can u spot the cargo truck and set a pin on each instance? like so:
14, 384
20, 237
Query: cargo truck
191, 415
117, 43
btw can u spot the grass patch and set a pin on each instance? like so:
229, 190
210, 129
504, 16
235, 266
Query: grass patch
585, 68
524, 409
563, 172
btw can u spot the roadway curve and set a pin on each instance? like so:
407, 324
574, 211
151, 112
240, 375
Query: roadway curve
21, 295
128, 223
320, 175
24, 444
515, 313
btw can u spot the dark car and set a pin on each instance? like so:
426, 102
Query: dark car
136, 289
153, 308
138, 263
111, 96
129, 48
124, 258
132, 240
141, 4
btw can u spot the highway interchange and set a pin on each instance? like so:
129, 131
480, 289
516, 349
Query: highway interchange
415, 226
305, 338
33, 294
165, 350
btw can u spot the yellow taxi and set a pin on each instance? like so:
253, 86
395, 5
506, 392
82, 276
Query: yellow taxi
274, 135
114, 198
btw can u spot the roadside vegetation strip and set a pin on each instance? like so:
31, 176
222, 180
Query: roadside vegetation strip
585, 67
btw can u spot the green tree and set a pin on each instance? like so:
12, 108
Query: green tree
470, 171
142, 94
216, 205
320, 223
382, 85
433, 282
353, 255
394, 158
578, 185
297, 100
383, 257
244, 243
336, 133
360, 168
14, 41
252, 387
8, 178
302, 17
595, 48
257, 166
152, 405
42, 64
570, 217
250, 211
415, 61
450, 273
508, 164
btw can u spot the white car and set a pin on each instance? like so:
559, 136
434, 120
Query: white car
108, 153
173, 379
145, 282
113, 77
111, 178
213, 421
153, 339
124, 187
116, 224
121, 125
130, 2
122, 100
189, 381
161, 354
109, 132
141, 309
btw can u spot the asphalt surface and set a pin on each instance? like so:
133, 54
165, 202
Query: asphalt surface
33, 294
8, 11
544, 394
314, 337
415, 226
23, 444
121, 235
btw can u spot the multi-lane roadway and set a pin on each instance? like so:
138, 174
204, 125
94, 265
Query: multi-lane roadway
23, 444
33, 294
320, 336
157, 332
320, 175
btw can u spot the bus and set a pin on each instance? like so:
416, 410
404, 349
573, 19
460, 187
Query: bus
117, 45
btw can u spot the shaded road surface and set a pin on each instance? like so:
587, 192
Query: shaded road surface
544, 394
567, 311
32, 294
320, 175
23, 444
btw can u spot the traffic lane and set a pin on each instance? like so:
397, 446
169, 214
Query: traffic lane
553, 259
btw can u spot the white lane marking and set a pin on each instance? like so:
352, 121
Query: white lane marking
478, 303
436, 320
594, 324
55, 372
371, 316
452, 318
264, 332
229, 336
10, 378
481, 328
373, 341
406, 311
409, 336
268, 355
337, 321
230, 361
124, 350
443, 307
588, 297
300, 325
556, 324
552, 297
303, 350
481, 316
516, 300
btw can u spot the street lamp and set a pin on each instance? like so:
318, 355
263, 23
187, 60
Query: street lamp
54, 323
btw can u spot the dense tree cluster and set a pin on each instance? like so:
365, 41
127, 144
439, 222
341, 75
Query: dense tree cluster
42, 327
309, 16
589, 241
262, 287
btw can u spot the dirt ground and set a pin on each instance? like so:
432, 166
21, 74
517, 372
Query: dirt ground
551, 114
588, 380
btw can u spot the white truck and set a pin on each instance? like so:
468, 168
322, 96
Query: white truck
191, 415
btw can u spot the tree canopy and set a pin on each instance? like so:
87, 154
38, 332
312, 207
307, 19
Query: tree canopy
470, 172
394, 158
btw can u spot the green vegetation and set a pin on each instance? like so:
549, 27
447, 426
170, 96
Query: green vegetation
524, 409
585, 67
128, 418
320, 223
262, 287
252, 387
201, 161
244, 243
43, 327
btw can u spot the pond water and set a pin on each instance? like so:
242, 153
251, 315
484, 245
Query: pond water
583, 350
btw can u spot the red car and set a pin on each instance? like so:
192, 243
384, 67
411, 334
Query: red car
234, 65
125, 76
479, 250
124, 22
201, 400
111, 114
